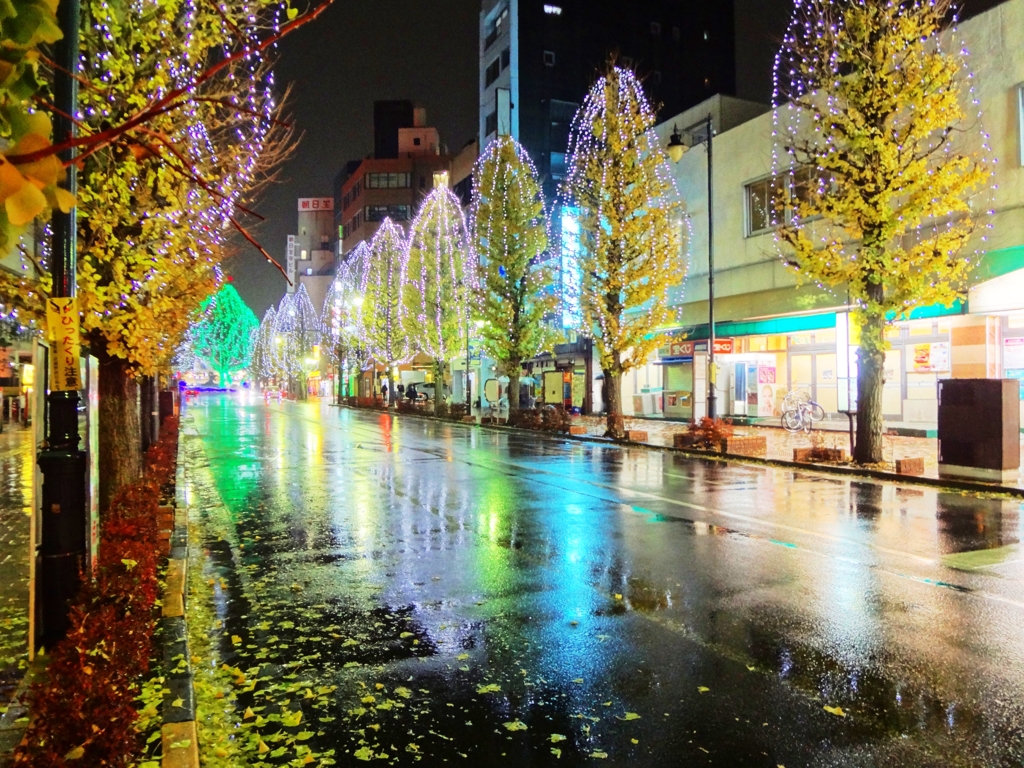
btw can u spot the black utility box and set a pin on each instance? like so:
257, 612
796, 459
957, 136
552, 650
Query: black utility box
979, 429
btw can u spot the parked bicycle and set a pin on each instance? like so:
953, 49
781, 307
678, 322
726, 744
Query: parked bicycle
799, 412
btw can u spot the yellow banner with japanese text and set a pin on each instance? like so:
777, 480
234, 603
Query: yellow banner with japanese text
63, 329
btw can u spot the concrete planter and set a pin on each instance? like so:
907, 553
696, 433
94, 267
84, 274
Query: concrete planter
910, 466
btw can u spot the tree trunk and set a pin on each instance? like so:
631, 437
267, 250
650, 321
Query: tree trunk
870, 381
120, 456
616, 429
146, 438
514, 367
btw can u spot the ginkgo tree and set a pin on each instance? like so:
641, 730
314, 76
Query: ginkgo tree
438, 283
516, 293
630, 228
872, 102
384, 333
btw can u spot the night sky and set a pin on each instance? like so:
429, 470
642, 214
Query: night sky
426, 51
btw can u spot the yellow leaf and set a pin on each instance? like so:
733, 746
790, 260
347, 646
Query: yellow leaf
837, 711
618, 596
64, 199
515, 725
557, 737
292, 14
263, 748
556, 752
24, 205
702, 689
601, 755
635, 741
489, 688
248, 713
75, 754
630, 716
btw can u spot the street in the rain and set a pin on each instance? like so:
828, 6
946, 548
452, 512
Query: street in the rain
452, 594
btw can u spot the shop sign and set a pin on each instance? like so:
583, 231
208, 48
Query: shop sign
724, 346
687, 348
1013, 353
765, 375
932, 357
316, 203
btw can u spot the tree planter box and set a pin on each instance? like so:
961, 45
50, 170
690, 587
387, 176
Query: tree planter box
636, 435
577, 430
748, 445
819, 454
910, 466
469, 419
682, 440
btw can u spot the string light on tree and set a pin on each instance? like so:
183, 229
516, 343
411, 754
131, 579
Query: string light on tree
516, 295
880, 186
630, 228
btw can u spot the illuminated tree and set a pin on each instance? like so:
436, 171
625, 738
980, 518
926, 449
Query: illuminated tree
223, 337
438, 282
342, 316
872, 106
296, 336
630, 228
517, 281
384, 334
263, 348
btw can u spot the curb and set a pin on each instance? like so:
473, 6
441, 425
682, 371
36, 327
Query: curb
179, 732
827, 469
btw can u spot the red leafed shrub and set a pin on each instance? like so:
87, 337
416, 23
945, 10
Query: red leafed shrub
85, 709
709, 433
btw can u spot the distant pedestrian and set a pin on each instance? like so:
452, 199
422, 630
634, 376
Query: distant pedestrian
384, 391
410, 393
401, 391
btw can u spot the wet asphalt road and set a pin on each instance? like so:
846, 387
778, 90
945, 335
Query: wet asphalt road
524, 600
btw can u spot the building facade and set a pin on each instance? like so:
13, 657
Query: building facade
539, 59
776, 334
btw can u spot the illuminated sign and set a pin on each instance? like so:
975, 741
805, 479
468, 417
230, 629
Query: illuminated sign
290, 262
572, 315
316, 203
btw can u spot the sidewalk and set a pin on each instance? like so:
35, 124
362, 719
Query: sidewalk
781, 443
16, 463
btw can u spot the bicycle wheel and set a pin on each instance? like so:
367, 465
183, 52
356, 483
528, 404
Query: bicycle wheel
792, 421
817, 413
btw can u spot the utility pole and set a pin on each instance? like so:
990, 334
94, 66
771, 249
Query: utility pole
64, 524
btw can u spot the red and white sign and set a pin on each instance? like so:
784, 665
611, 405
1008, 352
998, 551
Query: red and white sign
316, 203
724, 346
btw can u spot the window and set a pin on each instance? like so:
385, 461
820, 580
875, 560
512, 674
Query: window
655, 29
557, 165
656, 77
775, 199
675, 34
303, 256
309, 270
1020, 121
492, 72
549, 58
553, 10
491, 123
416, 141
440, 179
506, 58
381, 212
387, 181
495, 27
423, 182
705, 34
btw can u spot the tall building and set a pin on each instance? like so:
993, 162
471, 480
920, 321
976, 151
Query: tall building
310, 260
538, 59
408, 162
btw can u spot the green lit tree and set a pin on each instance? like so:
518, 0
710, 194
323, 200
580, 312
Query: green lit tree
630, 228
223, 337
517, 283
437, 283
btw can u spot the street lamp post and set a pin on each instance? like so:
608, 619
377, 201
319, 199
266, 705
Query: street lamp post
676, 149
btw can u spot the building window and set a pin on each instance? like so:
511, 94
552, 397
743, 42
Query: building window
394, 212
491, 123
655, 29
506, 58
705, 34
303, 256
492, 72
553, 10
495, 27
1020, 121
675, 34
773, 200
423, 182
309, 270
549, 58
387, 181
440, 179
416, 141
557, 165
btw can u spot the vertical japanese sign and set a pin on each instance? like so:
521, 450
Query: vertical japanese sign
290, 263
63, 326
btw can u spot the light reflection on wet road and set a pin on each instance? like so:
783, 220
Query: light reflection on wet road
726, 605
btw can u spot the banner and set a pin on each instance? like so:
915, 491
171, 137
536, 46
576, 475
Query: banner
63, 328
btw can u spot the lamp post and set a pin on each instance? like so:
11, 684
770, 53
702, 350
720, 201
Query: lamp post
676, 149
